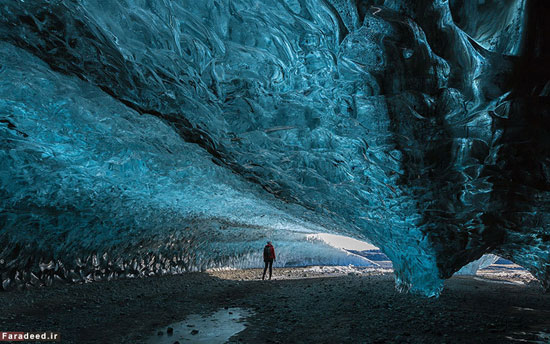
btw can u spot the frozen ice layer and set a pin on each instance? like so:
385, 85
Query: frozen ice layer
149, 137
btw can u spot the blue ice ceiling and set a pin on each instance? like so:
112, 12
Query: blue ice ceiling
146, 137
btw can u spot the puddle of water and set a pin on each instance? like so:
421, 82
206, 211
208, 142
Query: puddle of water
216, 328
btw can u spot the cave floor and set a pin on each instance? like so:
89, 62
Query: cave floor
299, 305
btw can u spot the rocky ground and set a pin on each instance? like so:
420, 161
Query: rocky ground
300, 305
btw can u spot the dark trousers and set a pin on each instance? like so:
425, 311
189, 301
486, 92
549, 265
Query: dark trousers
270, 263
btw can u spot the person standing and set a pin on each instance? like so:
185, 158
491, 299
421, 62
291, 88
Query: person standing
269, 257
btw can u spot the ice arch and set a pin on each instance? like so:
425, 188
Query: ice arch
156, 136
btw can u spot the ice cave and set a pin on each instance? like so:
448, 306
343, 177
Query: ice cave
157, 137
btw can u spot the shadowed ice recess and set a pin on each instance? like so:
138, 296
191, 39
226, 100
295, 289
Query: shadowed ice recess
144, 137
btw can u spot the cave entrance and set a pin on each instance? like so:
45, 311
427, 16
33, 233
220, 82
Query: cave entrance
489, 266
504, 270
355, 247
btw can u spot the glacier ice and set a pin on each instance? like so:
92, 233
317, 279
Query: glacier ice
156, 136
472, 267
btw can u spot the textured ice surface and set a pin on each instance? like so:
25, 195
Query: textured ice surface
472, 267
156, 136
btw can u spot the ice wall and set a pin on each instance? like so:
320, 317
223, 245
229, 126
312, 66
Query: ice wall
157, 136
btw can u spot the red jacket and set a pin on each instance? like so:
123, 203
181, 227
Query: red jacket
269, 252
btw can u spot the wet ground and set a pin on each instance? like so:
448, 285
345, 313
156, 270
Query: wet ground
217, 327
300, 305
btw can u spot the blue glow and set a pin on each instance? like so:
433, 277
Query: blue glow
144, 137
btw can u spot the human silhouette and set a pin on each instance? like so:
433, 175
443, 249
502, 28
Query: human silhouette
269, 257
